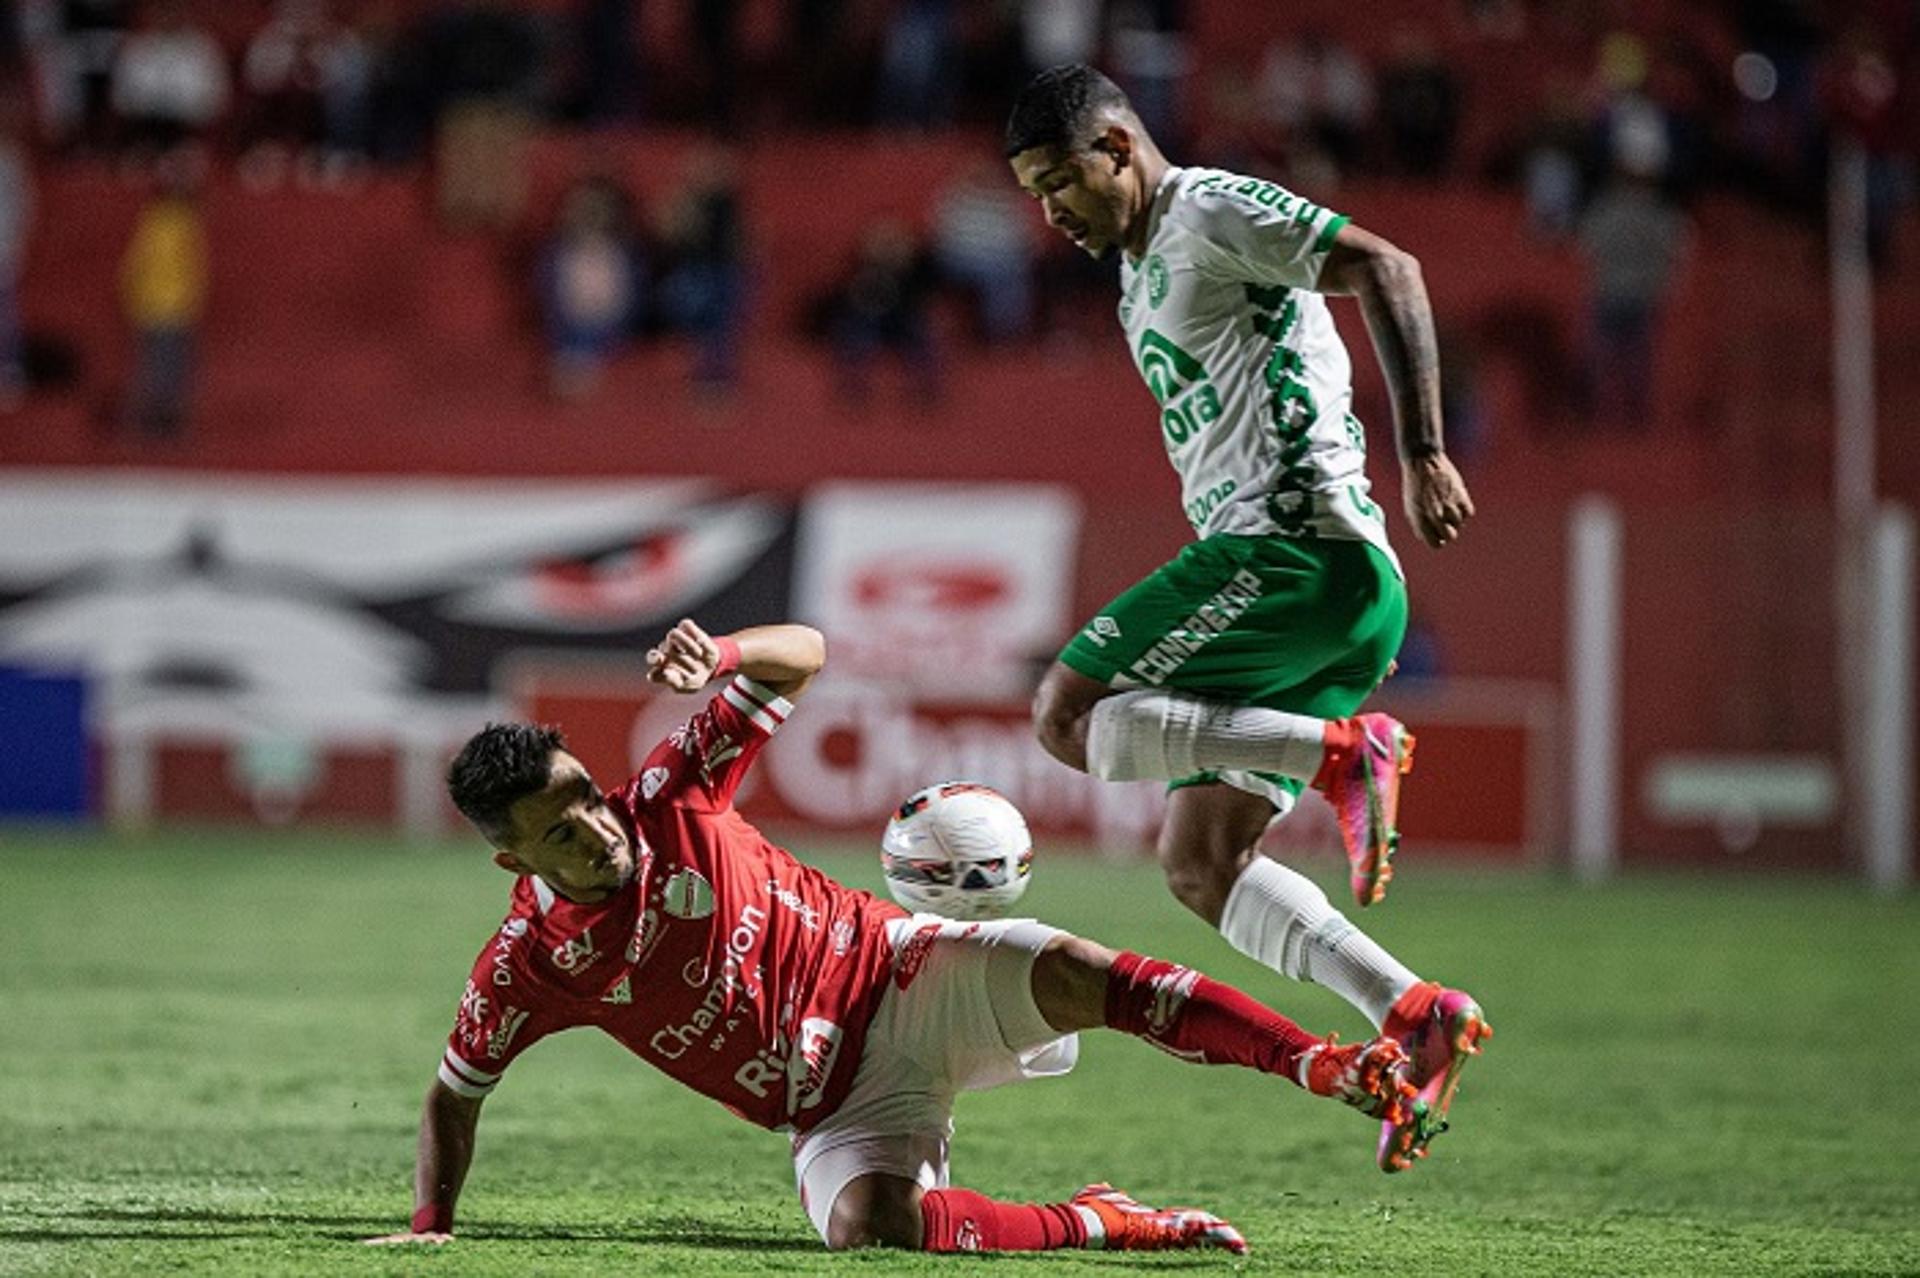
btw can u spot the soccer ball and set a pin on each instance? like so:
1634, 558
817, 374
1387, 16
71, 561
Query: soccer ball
958, 849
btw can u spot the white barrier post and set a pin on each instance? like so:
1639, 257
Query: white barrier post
1593, 685
1887, 730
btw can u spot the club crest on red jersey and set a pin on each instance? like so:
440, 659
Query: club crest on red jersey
688, 895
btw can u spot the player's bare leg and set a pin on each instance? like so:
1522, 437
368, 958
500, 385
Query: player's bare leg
1154, 733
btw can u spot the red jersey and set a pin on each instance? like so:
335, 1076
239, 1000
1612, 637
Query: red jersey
725, 963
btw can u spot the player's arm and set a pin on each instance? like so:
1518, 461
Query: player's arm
447, 1123
1393, 298
782, 658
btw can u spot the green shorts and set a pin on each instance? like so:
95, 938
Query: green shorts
1297, 624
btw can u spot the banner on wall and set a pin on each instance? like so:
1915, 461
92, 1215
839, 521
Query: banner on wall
284, 632
849, 754
963, 590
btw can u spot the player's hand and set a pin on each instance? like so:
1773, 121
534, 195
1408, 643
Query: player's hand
400, 1240
685, 659
1437, 501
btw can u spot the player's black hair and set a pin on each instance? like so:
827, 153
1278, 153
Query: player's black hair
500, 765
1058, 108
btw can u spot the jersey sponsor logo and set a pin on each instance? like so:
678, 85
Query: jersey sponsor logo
510, 932
804, 1070
647, 932
814, 1052
716, 1008
576, 954
621, 993
473, 1014
1157, 280
1201, 508
795, 904
650, 782
688, 895
1188, 400
1101, 629
502, 1037
1211, 618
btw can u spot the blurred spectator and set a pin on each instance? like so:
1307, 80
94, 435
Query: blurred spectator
170, 82
919, 66
163, 288
592, 280
883, 307
398, 91
285, 74
1057, 31
1420, 106
703, 284
16, 218
1552, 168
349, 72
1635, 128
75, 43
983, 244
1631, 239
1151, 59
1320, 96
484, 64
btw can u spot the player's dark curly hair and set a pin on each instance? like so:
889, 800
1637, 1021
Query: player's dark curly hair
500, 765
1058, 108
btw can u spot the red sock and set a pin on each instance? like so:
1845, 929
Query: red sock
1342, 739
961, 1220
1196, 1017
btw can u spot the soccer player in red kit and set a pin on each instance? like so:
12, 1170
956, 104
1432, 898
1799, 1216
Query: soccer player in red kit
659, 915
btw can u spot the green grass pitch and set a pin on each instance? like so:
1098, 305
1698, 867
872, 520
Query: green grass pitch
213, 1050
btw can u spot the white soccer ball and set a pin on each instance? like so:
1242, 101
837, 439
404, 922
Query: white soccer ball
958, 849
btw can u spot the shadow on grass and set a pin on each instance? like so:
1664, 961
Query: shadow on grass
174, 1224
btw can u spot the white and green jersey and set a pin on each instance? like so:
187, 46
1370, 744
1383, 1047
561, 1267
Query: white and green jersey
1254, 384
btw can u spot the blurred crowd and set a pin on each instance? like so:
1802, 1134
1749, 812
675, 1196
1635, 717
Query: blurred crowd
1610, 118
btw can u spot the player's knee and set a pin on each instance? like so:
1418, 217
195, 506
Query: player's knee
875, 1211
1060, 724
1201, 873
1070, 983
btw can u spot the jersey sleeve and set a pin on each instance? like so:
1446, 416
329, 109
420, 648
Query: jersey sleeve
1255, 230
497, 1019
704, 760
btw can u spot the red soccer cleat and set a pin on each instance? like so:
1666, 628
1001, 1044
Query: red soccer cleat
1371, 1077
1440, 1029
1363, 785
1125, 1225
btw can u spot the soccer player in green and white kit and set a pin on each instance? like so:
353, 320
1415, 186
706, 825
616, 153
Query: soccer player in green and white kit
1234, 671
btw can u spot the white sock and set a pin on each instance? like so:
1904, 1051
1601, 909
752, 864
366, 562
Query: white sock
1283, 920
1156, 735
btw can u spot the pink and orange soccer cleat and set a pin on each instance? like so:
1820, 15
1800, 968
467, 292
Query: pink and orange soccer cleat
1126, 1225
1363, 785
1371, 1077
1440, 1029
